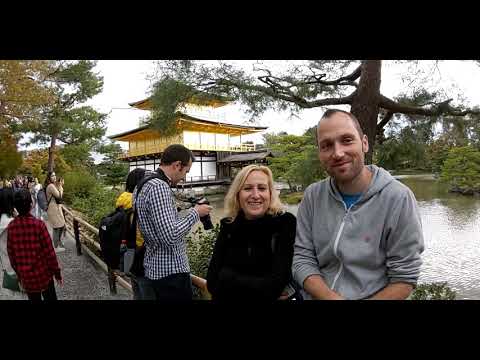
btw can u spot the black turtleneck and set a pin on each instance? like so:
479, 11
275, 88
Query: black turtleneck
244, 265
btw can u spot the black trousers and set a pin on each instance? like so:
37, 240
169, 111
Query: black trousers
48, 295
172, 288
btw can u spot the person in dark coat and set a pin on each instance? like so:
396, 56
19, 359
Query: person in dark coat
252, 257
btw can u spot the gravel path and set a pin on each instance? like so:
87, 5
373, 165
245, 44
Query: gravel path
84, 279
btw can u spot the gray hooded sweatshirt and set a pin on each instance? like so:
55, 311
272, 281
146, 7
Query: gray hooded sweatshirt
361, 250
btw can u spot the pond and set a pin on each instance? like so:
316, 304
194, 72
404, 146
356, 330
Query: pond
451, 227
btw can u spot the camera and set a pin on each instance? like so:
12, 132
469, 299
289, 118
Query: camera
206, 220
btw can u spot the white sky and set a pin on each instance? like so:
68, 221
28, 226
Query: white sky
126, 81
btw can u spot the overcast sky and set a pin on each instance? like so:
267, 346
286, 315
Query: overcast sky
126, 81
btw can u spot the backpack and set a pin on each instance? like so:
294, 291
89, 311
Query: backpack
42, 200
112, 230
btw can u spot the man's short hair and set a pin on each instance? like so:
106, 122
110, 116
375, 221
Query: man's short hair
330, 112
177, 152
22, 200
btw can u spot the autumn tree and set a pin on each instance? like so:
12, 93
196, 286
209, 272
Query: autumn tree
35, 163
296, 86
24, 91
10, 158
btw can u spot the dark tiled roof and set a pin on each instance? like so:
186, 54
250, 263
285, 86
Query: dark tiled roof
251, 156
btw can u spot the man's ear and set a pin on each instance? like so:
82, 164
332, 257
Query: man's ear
365, 144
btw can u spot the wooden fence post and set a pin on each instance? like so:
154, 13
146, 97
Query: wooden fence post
112, 281
76, 230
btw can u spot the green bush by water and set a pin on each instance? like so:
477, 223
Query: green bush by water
433, 291
200, 245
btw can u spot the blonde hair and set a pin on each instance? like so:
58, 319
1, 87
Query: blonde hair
232, 205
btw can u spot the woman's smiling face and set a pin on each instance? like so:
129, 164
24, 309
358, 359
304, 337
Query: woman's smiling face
254, 196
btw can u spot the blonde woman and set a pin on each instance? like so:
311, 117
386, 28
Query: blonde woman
252, 257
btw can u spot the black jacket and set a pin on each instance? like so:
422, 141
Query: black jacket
246, 264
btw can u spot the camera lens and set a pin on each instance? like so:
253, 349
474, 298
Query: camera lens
207, 222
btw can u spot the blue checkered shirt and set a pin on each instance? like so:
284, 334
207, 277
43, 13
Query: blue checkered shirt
163, 230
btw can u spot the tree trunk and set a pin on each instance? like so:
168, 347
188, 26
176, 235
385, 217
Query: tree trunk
51, 153
365, 102
290, 186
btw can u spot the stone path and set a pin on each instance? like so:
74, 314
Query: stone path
83, 279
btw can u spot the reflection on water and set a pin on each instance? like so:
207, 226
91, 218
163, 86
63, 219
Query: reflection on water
451, 228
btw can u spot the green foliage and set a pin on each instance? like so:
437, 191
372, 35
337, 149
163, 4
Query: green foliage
434, 291
436, 154
404, 148
167, 97
77, 155
83, 125
72, 82
295, 158
113, 170
292, 198
88, 195
200, 244
80, 76
461, 169
297, 85
287, 87
387, 154
100, 202
79, 184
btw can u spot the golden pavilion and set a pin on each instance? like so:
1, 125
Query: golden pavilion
217, 146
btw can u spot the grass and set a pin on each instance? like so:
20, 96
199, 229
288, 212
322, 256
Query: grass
411, 172
292, 198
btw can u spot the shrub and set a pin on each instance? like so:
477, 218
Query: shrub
200, 245
292, 198
434, 291
79, 183
461, 169
99, 203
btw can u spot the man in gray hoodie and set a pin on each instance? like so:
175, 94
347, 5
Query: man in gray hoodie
359, 233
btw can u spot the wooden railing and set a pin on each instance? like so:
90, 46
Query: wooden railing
78, 228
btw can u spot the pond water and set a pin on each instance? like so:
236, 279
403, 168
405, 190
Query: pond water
451, 227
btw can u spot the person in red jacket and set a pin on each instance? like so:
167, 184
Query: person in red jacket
31, 252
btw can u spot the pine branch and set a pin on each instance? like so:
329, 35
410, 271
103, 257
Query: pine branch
442, 108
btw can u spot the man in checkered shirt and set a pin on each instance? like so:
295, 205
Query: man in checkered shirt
167, 270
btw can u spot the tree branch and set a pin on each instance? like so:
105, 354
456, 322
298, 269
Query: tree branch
442, 108
346, 100
344, 80
63, 139
384, 121
301, 102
